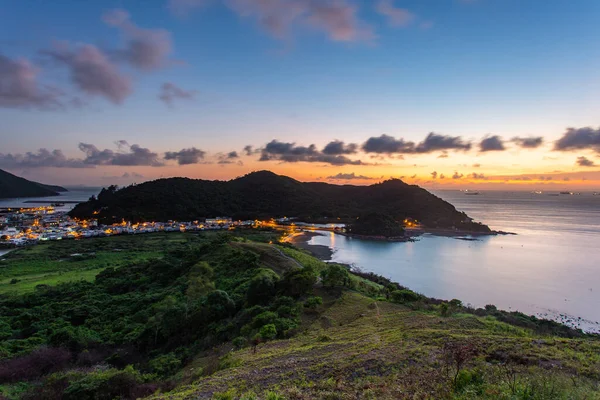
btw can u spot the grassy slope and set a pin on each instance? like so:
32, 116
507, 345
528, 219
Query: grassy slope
52, 263
357, 347
361, 349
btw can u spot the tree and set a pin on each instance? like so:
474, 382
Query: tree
404, 296
335, 275
298, 282
262, 287
219, 304
313, 302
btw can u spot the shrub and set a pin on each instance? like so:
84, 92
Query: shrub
313, 302
298, 281
165, 365
268, 332
444, 310
404, 296
335, 275
239, 342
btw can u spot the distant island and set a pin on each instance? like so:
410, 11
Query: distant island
15, 186
263, 194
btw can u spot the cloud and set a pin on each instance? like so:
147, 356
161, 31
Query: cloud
92, 71
434, 175
250, 150
491, 143
579, 139
348, 177
397, 17
337, 147
289, 152
584, 162
443, 155
39, 159
529, 142
229, 158
476, 165
19, 86
232, 155
457, 175
435, 142
475, 175
169, 92
337, 19
188, 156
145, 49
385, 144
136, 155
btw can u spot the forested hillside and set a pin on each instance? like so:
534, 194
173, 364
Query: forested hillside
266, 195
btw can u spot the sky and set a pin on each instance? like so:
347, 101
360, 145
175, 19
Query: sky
465, 94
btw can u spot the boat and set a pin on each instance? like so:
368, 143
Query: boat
569, 193
57, 204
471, 193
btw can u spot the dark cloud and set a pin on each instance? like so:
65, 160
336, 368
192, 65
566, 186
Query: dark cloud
443, 155
434, 175
457, 175
579, 139
385, 144
337, 19
249, 150
584, 162
145, 49
19, 86
232, 154
529, 142
289, 152
136, 155
92, 71
39, 159
397, 17
337, 147
188, 156
347, 177
435, 142
475, 175
491, 143
169, 92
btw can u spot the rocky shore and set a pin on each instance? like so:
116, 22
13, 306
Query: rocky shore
317, 250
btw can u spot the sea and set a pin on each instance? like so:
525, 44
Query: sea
550, 268
74, 194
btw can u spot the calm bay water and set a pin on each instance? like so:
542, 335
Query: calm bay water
74, 194
551, 268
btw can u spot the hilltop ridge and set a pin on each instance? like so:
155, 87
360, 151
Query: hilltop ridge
264, 194
15, 186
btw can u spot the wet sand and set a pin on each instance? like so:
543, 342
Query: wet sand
319, 251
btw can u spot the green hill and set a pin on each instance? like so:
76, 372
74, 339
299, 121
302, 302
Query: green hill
231, 317
264, 195
14, 186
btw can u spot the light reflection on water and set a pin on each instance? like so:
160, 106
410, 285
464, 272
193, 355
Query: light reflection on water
550, 267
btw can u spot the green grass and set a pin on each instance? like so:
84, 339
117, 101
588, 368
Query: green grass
53, 262
358, 348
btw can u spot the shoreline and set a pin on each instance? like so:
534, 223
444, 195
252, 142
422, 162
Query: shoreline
323, 253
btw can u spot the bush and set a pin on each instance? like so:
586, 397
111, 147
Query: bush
268, 332
404, 296
335, 275
313, 302
298, 282
239, 342
165, 365
105, 385
444, 310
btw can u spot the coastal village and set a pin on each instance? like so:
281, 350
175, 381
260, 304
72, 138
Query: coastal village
28, 226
